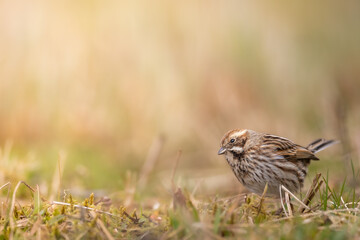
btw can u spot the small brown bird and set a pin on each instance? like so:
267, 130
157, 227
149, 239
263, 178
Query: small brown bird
260, 158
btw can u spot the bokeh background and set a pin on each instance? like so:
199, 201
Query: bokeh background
112, 86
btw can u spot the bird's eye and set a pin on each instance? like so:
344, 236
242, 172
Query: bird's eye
232, 140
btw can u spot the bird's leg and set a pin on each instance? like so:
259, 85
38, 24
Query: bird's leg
285, 200
295, 198
282, 200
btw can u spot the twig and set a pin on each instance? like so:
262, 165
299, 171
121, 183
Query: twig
134, 220
317, 205
315, 186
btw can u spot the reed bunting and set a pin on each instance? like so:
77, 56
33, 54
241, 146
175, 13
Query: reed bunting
260, 158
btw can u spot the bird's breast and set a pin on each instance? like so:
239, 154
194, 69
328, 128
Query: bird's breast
230, 158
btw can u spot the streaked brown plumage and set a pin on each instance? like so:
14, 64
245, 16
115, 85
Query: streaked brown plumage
259, 158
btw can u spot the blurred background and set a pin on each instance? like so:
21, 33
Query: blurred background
114, 89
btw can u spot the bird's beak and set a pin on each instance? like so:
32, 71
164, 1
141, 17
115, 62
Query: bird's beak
221, 151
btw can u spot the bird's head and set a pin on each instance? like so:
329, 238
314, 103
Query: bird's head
234, 141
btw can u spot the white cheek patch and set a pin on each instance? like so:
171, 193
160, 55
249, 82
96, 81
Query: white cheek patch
237, 149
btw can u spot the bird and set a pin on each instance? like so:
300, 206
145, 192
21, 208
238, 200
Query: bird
258, 159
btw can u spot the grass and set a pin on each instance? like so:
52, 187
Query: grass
236, 216
329, 213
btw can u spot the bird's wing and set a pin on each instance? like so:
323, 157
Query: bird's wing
286, 148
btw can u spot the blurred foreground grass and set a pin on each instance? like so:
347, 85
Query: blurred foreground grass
101, 81
169, 206
330, 213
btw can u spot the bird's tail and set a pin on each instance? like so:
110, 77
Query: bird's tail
320, 144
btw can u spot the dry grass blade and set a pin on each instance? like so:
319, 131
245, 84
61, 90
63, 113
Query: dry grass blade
174, 170
83, 207
37, 201
11, 212
6, 184
288, 204
130, 188
102, 226
150, 161
56, 181
206, 229
262, 198
292, 195
36, 228
345, 205
8, 192
315, 186
197, 187
231, 209
318, 213
282, 201
179, 200
172, 234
